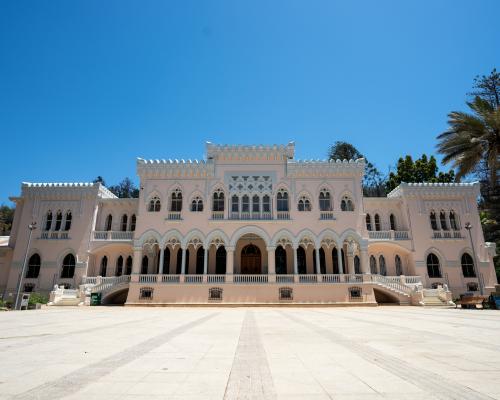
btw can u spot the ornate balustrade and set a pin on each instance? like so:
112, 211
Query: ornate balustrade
326, 215
283, 215
389, 235
285, 278
56, 235
174, 215
250, 279
118, 236
447, 235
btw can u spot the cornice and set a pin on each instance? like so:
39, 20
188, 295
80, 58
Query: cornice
174, 168
325, 168
435, 190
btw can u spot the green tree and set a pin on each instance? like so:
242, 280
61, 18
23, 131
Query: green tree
424, 169
125, 189
100, 180
373, 181
6, 219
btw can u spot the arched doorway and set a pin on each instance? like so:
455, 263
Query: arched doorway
251, 260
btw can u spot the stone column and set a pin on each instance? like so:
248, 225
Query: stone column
137, 261
205, 261
318, 265
183, 265
365, 263
271, 263
350, 263
229, 263
341, 261
162, 256
295, 262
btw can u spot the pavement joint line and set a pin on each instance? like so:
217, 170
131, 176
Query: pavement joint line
80, 378
433, 384
250, 376
421, 333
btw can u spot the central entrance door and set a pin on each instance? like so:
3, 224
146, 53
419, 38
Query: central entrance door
250, 260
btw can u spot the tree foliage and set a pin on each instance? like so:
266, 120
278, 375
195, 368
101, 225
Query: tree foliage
373, 181
6, 219
124, 189
424, 169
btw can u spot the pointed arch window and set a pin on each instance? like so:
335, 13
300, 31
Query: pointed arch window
154, 204
197, 204
304, 204
280, 260
282, 200
301, 260
144, 265
335, 261
399, 265
128, 266
266, 203
368, 222
325, 203
245, 203
119, 266
68, 267
104, 266
377, 222
34, 264
255, 204
59, 218
442, 219
235, 203
357, 265
433, 268
176, 201
200, 260
220, 260
392, 221
218, 200
48, 221
373, 265
67, 221
346, 204
109, 222
381, 263
468, 266
133, 221
454, 221
433, 220
124, 222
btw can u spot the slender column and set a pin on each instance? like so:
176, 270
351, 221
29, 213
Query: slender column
229, 263
162, 256
136, 262
340, 258
365, 263
318, 266
205, 261
295, 262
183, 265
271, 263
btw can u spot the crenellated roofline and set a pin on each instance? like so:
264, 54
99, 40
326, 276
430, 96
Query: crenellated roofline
242, 152
58, 189
435, 189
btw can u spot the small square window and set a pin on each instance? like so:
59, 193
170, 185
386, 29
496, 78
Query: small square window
355, 293
472, 287
286, 293
146, 293
215, 294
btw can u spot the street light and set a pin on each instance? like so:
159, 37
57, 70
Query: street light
31, 227
468, 226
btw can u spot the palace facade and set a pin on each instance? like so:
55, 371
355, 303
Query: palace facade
250, 224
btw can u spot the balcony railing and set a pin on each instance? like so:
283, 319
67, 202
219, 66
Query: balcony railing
250, 279
389, 235
447, 235
250, 216
56, 235
217, 214
174, 215
283, 215
326, 215
113, 235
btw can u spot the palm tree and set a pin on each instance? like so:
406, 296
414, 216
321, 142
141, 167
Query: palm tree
472, 139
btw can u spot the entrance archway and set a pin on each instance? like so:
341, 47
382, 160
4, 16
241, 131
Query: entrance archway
251, 260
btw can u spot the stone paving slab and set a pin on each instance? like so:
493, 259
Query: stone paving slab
250, 353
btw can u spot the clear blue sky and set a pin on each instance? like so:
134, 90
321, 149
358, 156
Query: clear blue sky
88, 86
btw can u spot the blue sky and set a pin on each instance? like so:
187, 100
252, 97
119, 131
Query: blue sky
88, 86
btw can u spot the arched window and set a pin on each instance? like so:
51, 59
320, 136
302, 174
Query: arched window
220, 260
373, 265
235, 204
381, 263
454, 221
133, 221
218, 200
433, 269
377, 222
245, 203
178, 267
124, 222
119, 266
322, 261
67, 222
357, 265
48, 221
68, 267
59, 217
197, 204
325, 203
154, 204
34, 266
144, 265
369, 222
468, 266
266, 203
301, 260
433, 220
176, 201
128, 266
104, 266
282, 200
335, 260
346, 204
200, 260
109, 222
399, 265
280, 260
304, 204
442, 219
166, 260
255, 204
392, 220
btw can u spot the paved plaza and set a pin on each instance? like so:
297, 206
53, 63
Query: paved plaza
250, 353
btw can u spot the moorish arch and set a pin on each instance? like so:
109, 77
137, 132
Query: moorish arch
250, 229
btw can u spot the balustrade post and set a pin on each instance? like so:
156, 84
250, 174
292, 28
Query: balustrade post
162, 256
271, 264
136, 262
229, 264
183, 264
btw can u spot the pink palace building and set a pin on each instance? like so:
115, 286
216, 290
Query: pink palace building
248, 225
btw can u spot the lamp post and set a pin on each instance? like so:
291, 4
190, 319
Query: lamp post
31, 228
468, 226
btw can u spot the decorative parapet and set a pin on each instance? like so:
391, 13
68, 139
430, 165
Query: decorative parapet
65, 190
325, 168
238, 152
174, 168
435, 190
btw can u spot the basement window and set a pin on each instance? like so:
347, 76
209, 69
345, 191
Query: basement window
286, 293
215, 294
146, 293
355, 293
